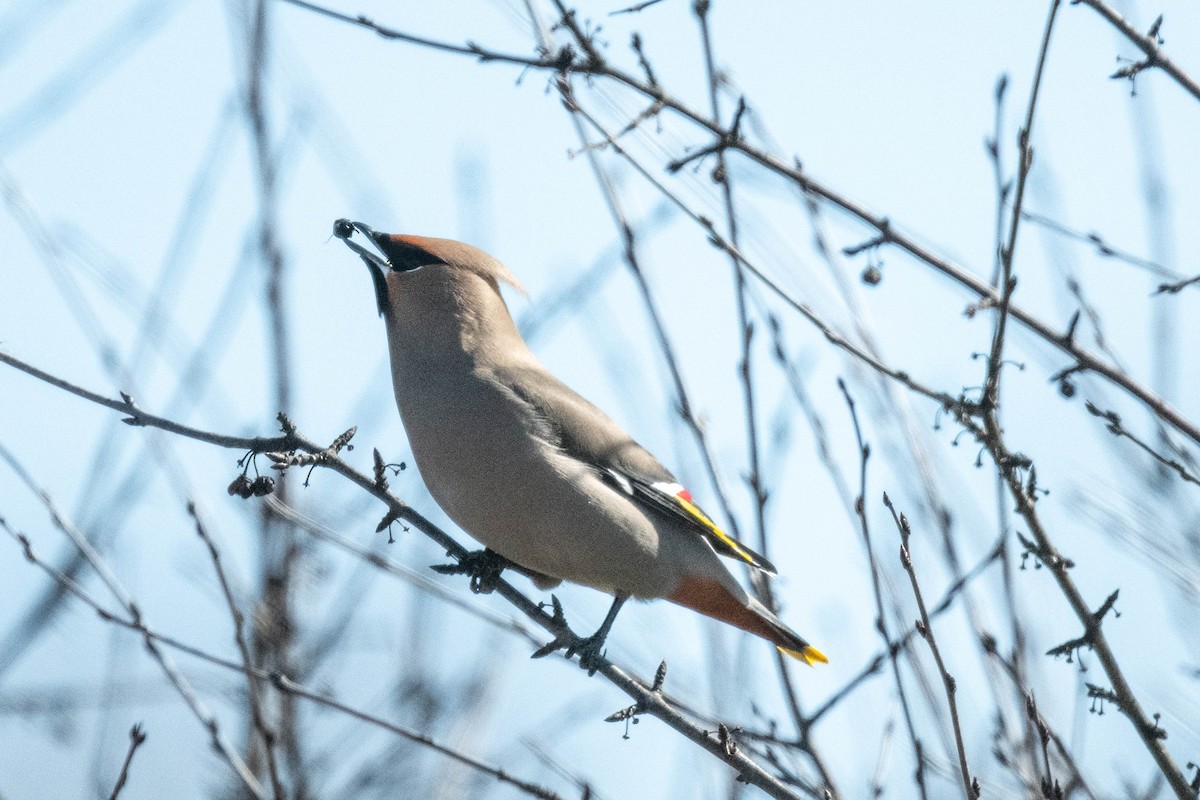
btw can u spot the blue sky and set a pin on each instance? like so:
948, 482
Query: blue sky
126, 164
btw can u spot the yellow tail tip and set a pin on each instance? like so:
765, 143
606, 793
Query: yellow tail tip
809, 655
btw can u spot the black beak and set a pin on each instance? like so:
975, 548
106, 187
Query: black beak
378, 265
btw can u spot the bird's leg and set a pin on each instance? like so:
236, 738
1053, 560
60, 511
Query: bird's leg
589, 649
482, 566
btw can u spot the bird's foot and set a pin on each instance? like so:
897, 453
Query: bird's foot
482, 566
590, 650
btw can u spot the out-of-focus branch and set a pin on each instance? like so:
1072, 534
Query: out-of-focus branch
721, 176
864, 455
273, 637
685, 406
1106, 250
257, 717
1117, 429
280, 681
182, 685
1045, 732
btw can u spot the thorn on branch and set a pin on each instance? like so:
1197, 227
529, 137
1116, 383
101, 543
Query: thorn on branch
1178, 286
725, 737
630, 714
285, 424
1071, 648
1070, 334
884, 237
1043, 555
381, 481
391, 516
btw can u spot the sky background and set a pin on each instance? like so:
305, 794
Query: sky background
127, 173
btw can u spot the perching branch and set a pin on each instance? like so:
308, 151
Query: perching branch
748, 769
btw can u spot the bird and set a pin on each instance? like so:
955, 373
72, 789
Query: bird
548, 482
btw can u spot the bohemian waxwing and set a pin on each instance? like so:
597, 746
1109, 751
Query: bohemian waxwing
525, 465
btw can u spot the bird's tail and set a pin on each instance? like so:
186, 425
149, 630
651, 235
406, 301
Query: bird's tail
713, 598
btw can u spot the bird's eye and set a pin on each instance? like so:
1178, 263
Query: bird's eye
343, 229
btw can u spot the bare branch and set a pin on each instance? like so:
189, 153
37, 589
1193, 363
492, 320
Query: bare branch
1148, 43
971, 790
136, 737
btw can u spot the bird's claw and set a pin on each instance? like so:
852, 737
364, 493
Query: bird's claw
482, 566
591, 656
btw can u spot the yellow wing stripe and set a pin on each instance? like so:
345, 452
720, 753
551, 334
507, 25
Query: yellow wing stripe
721, 535
809, 655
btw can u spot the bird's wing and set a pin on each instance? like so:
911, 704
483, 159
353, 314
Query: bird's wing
586, 433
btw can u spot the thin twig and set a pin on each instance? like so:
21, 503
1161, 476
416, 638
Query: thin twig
1008, 251
1117, 429
1044, 730
137, 735
900, 644
272, 637
1106, 250
1147, 43
892, 647
925, 628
